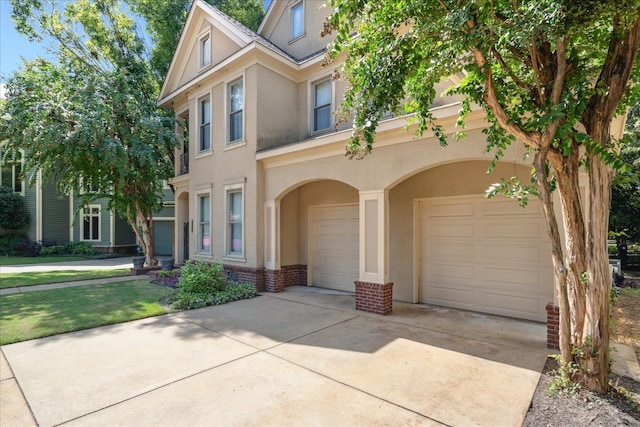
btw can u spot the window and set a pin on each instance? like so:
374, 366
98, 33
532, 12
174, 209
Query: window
322, 105
236, 102
205, 123
205, 51
204, 223
90, 223
297, 20
11, 170
235, 240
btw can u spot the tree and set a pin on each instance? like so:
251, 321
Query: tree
90, 122
625, 193
165, 20
13, 212
552, 74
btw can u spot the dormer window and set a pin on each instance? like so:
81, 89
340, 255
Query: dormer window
297, 20
205, 50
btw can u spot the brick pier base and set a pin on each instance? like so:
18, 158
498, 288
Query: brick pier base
553, 327
374, 297
288, 275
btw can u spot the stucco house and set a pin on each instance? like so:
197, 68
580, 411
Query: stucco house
263, 185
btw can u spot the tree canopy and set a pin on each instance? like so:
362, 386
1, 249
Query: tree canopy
551, 74
89, 122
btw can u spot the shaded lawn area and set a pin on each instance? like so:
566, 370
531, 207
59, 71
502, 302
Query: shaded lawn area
11, 280
24, 260
30, 315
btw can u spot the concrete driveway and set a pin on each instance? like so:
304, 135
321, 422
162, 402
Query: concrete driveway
295, 358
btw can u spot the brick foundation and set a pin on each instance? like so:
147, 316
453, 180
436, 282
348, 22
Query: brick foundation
553, 327
288, 275
374, 297
246, 275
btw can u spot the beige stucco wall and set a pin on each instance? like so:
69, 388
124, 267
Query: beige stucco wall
279, 32
294, 215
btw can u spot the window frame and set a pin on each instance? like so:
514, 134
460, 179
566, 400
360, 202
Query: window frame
204, 127
229, 190
16, 171
231, 112
200, 248
314, 107
91, 215
204, 48
293, 36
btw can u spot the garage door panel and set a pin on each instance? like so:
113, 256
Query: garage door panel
513, 230
447, 249
335, 246
495, 259
449, 210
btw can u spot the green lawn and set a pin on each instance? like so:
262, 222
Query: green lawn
30, 315
23, 260
11, 280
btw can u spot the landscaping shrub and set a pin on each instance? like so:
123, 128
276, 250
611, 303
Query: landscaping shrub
8, 242
13, 210
202, 284
27, 247
71, 248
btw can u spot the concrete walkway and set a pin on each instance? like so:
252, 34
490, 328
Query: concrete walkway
89, 264
301, 357
295, 358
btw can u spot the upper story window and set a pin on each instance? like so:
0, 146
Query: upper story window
11, 170
297, 20
205, 50
322, 105
236, 106
204, 118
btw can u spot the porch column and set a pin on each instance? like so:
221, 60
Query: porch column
273, 274
374, 292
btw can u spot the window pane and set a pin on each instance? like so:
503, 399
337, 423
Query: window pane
323, 93
235, 126
297, 21
205, 111
86, 228
236, 96
206, 51
7, 176
205, 209
95, 228
236, 238
322, 118
205, 232
205, 137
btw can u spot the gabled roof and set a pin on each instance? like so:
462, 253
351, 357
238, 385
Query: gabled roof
236, 31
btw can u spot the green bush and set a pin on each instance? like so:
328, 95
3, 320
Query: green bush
13, 210
71, 248
8, 242
202, 284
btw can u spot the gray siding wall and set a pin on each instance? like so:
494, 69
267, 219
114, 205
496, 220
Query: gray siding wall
55, 219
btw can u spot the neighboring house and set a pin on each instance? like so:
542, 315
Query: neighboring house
263, 185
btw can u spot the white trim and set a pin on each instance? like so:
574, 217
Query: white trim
417, 233
202, 38
199, 193
272, 246
227, 110
236, 186
90, 214
293, 38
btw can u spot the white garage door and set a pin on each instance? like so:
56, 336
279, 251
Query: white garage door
334, 246
485, 255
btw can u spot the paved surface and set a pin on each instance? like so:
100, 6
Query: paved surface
301, 357
90, 264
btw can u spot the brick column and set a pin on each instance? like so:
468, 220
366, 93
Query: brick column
374, 297
553, 327
274, 280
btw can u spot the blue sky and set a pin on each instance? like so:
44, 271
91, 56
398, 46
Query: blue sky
14, 46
